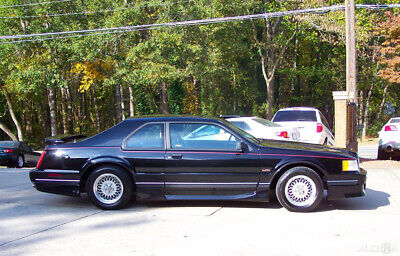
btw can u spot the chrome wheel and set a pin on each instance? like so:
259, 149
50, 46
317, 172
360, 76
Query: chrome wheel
301, 191
20, 162
108, 188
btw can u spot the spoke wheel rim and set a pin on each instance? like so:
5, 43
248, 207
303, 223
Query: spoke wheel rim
108, 188
20, 161
301, 191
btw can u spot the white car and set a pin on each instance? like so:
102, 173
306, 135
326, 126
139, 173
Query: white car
389, 139
265, 129
312, 124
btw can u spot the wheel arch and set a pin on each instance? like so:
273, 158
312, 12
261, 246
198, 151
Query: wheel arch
298, 163
92, 164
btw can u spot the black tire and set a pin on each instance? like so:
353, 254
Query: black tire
20, 161
382, 155
305, 178
115, 177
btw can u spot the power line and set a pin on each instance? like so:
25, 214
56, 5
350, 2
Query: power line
95, 11
34, 4
125, 29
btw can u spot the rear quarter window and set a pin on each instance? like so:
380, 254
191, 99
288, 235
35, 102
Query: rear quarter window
295, 115
241, 125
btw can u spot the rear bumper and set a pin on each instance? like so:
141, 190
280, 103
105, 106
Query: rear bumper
62, 182
7, 159
391, 147
349, 185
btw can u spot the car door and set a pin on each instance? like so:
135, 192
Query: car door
202, 163
144, 148
25, 150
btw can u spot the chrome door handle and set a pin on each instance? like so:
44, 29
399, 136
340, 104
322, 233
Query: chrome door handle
175, 156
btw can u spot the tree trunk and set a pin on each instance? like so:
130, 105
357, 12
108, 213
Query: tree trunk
13, 117
7, 131
96, 110
69, 111
44, 116
53, 114
64, 111
118, 109
366, 110
383, 101
131, 102
121, 88
164, 99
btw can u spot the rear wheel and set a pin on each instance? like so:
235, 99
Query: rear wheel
300, 189
109, 187
20, 161
382, 155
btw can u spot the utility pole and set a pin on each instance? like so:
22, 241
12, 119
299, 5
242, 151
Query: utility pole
346, 101
351, 58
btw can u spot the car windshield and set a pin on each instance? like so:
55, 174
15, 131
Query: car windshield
7, 143
295, 115
265, 122
241, 132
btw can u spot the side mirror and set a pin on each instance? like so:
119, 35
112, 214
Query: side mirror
241, 146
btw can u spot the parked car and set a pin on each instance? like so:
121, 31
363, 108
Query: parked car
150, 158
389, 140
17, 154
265, 129
312, 124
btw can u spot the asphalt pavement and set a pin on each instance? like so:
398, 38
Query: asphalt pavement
35, 223
368, 150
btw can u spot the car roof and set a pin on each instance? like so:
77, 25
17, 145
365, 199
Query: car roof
10, 141
244, 118
297, 109
166, 118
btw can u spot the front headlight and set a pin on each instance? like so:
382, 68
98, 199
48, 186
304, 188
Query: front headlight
350, 165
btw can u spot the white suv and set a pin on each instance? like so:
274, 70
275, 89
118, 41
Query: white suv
389, 139
312, 124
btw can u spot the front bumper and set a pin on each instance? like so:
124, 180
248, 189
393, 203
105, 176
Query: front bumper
347, 185
62, 182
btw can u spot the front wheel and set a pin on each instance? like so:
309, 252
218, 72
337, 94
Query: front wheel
300, 189
109, 187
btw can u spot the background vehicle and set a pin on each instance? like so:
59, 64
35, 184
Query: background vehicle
17, 154
389, 140
265, 129
151, 159
312, 124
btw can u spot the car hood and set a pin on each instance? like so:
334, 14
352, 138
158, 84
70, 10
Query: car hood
301, 148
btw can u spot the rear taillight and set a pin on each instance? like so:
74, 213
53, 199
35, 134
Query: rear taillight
390, 128
7, 150
283, 134
319, 127
40, 159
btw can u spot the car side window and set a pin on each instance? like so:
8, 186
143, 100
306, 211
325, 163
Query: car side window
150, 136
324, 121
201, 136
241, 125
26, 147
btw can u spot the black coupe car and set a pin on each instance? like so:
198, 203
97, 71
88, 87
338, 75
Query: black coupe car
195, 158
17, 154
